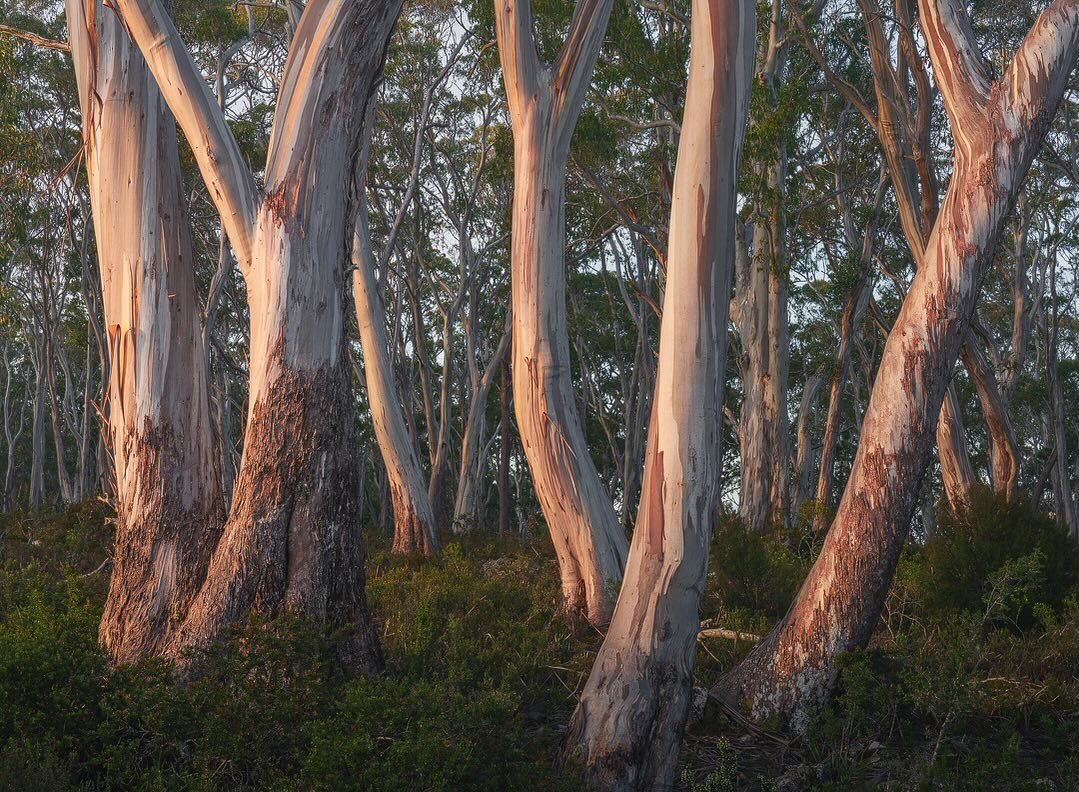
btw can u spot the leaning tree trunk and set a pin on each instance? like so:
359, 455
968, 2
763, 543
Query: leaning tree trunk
414, 529
169, 506
544, 104
998, 128
291, 541
629, 722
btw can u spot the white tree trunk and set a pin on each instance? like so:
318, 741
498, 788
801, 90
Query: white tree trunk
544, 105
633, 709
168, 497
997, 128
291, 541
414, 521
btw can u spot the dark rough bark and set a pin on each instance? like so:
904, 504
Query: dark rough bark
292, 542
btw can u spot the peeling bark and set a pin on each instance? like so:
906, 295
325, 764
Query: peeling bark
291, 541
168, 498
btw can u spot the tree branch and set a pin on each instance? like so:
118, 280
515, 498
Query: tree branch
961, 73
573, 69
227, 177
34, 38
521, 67
1042, 64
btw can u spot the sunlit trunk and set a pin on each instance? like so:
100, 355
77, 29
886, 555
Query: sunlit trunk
168, 499
291, 541
632, 712
544, 103
414, 528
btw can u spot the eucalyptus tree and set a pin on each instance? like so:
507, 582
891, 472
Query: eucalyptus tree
544, 103
167, 492
998, 126
290, 539
629, 722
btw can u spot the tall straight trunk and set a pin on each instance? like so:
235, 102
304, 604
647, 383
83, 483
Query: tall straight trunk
12, 431
629, 722
1067, 504
505, 439
168, 497
761, 318
291, 541
414, 528
802, 485
63, 480
36, 494
998, 128
762, 323
544, 104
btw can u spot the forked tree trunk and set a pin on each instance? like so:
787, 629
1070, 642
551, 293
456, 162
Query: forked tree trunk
998, 128
468, 503
629, 722
168, 497
291, 541
544, 104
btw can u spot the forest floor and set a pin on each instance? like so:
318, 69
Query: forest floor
971, 681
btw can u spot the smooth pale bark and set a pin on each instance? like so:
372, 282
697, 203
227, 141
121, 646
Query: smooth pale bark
291, 541
167, 493
998, 128
629, 722
544, 103
414, 529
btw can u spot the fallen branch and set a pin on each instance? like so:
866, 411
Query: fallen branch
730, 635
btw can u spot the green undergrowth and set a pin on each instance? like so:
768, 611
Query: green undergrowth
969, 683
478, 683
